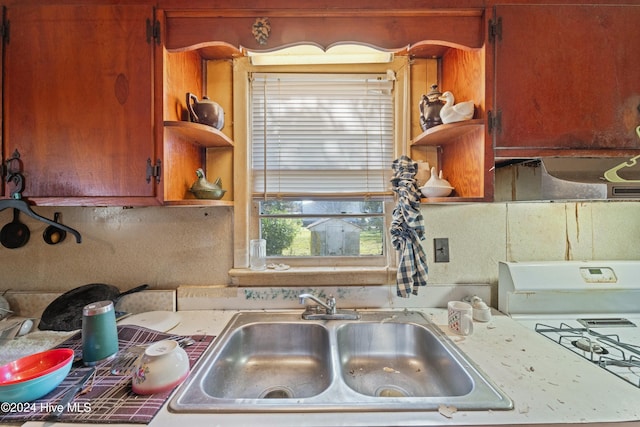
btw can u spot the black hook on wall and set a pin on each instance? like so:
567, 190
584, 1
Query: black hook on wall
23, 207
14, 175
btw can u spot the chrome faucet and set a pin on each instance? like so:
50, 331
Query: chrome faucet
329, 306
330, 310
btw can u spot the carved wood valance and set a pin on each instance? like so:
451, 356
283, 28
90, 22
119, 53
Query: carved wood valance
422, 33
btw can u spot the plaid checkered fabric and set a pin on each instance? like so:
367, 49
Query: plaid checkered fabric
407, 229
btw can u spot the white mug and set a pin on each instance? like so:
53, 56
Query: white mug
460, 317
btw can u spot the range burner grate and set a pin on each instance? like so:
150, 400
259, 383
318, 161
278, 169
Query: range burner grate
606, 350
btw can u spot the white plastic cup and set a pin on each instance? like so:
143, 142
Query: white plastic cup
460, 317
258, 254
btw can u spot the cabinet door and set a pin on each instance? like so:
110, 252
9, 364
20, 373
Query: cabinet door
566, 79
78, 99
2, 151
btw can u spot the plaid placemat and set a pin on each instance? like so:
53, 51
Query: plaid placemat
110, 399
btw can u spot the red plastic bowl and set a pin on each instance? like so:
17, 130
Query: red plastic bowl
35, 366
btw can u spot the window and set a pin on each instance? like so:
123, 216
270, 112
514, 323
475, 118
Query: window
321, 134
307, 227
319, 153
328, 136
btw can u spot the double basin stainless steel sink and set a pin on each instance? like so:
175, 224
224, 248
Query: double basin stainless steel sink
385, 361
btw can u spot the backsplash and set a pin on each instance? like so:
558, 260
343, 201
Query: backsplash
124, 247
33, 303
277, 298
170, 247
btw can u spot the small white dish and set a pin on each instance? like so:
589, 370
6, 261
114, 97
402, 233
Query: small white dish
25, 327
436, 186
436, 191
481, 314
163, 366
481, 311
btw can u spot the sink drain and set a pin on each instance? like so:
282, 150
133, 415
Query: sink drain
278, 392
391, 391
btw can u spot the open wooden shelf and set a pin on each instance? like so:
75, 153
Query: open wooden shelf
443, 134
198, 202
200, 134
460, 153
203, 136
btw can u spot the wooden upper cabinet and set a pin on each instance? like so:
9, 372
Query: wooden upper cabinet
566, 80
2, 152
79, 101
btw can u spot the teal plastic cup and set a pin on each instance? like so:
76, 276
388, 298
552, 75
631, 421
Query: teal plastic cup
99, 332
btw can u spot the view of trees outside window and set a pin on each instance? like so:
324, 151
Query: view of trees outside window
322, 228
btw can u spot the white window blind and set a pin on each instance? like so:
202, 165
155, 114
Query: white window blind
321, 134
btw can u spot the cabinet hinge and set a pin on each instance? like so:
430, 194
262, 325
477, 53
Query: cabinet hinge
495, 29
494, 121
153, 31
154, 171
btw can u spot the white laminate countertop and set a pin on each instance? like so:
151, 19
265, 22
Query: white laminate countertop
548, 385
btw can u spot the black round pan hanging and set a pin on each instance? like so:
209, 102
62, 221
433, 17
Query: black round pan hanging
14, 234
53, 235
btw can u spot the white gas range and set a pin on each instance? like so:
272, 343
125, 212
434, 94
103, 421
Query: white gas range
591, 308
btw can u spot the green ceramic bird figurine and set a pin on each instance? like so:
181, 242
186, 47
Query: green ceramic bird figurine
204, 189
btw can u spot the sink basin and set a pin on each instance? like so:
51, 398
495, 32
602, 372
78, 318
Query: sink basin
385, 361
271, 360
399, 360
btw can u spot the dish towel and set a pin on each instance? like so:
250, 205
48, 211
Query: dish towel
407, 228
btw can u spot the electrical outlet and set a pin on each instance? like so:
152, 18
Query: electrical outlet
441, 249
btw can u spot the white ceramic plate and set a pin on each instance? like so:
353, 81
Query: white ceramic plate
161, 321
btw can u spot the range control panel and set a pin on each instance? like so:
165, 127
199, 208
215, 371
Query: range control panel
598, 275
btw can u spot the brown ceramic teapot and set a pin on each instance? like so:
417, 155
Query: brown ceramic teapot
205, 111
430, 107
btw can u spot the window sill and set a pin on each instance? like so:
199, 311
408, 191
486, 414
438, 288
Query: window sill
314, 276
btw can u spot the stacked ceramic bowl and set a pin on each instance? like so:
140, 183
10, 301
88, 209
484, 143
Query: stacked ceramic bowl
163, 366
31, 377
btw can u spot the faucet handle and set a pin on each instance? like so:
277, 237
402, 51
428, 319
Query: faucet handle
331, 302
